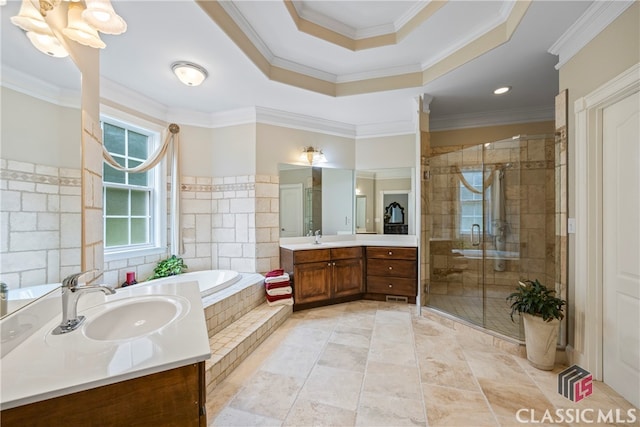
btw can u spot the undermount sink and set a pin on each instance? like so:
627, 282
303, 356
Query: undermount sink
133, 317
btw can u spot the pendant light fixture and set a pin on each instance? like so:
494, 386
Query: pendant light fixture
79, 30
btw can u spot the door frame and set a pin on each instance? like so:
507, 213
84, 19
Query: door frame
587, 272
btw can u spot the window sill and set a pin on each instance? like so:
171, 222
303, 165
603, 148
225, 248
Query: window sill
133, 253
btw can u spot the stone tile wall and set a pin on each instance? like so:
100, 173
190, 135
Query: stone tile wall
41, 223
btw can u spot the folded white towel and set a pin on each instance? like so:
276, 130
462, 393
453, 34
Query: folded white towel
277, 279
280, 291
286, 301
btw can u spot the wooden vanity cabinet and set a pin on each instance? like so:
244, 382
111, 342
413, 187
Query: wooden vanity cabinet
392, 271
324, 276
171, 398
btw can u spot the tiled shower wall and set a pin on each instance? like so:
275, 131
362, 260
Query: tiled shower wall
227, 223
41, 223
530, 208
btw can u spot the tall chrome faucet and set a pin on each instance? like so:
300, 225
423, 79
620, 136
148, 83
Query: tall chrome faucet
70, 294
317, 237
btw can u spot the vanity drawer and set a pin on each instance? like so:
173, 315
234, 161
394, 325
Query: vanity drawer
346, 253
391, 268
311, 255
391, 286
390, 252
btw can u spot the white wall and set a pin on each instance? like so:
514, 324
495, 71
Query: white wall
234, 150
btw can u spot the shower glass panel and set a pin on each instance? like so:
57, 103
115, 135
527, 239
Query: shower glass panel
492, 215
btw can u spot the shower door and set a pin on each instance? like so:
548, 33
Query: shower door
456, 208
491, 211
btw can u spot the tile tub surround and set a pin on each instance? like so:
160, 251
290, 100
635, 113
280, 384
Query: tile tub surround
340, 365
238, 320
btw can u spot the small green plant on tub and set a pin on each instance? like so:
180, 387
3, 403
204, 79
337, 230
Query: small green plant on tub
168, 267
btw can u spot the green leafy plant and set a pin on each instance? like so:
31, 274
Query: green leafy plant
168, 267
534, 298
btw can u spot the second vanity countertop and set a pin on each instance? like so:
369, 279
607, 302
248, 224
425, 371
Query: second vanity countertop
45, 366
328, 242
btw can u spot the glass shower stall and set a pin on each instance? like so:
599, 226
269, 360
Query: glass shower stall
491, 221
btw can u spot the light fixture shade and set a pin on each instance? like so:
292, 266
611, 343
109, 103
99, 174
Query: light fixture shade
312, 155
78, 30
188, 73
100, 14
29, 19
47, 43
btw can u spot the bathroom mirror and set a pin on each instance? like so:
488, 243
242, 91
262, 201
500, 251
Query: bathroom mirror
315, 198
382, 188
40, 169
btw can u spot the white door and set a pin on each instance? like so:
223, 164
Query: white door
291, 210
621, 247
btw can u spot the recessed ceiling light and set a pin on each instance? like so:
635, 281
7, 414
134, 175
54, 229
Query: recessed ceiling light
501, 90
189, 73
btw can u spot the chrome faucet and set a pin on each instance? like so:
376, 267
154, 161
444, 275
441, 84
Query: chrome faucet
317, 237
70, 294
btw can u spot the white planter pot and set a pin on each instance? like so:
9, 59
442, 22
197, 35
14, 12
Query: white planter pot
541, 338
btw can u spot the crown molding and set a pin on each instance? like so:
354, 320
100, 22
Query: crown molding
115, 92
492, 118
296, 67
595, 19
39, 89
303, 122
237, 16
377, 130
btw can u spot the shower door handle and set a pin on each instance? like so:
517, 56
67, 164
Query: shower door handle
475, 242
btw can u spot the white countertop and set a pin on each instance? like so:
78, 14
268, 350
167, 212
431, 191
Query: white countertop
46, 366
327, 242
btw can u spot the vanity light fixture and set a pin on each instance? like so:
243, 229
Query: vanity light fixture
83, 24
502, 90
189, 73
312, 155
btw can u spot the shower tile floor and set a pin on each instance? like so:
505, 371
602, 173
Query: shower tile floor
370, 363
471, 309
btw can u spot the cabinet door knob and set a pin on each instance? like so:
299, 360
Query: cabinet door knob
390, 268
328, 264
334, 263
390, 253
390, 285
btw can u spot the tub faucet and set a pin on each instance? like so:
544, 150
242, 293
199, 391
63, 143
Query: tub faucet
70, 294
317, 237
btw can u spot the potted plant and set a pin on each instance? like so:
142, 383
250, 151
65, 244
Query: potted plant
541, 311
168, 267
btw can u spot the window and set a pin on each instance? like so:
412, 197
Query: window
470, 201
132, 208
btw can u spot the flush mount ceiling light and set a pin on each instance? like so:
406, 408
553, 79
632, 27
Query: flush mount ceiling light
189, 73
312, 155
502, 90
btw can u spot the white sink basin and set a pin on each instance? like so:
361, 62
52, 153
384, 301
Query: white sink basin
133, 317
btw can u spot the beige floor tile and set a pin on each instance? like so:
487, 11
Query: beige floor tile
392, 352
453, 374
230, 417
377, 410
343, 356
392, 380
349, 335
292, 361
371, 363
453, 407
335, 387
506, 399
267, 394
309, 413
